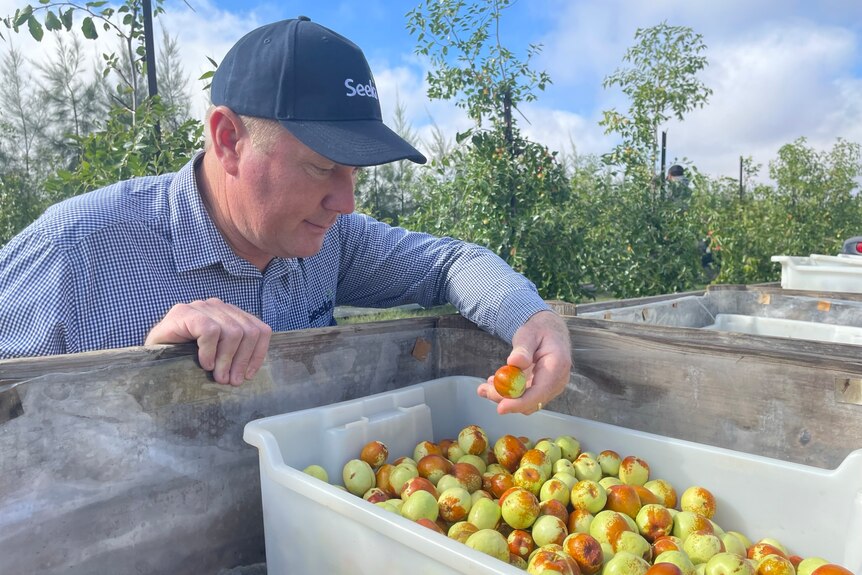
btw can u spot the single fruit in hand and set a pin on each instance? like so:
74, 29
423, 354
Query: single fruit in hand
509, 381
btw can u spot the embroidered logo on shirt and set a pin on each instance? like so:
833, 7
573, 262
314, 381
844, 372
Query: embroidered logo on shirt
324, 308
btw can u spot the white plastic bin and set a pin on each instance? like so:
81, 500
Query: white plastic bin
790, 328
821, 273
313, 527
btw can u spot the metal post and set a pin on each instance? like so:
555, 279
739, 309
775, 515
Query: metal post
741, 187
152, 85
663, 152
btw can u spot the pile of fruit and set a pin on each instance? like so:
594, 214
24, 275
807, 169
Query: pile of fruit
548, 507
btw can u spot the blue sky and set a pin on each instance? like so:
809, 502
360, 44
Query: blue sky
779, 69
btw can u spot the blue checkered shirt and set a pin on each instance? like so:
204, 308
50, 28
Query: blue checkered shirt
100, 270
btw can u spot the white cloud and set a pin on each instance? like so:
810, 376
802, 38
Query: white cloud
780, 69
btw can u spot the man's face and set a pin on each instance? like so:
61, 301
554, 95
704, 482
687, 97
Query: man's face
285, 199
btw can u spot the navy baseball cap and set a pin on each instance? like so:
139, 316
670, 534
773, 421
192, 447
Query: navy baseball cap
317, 84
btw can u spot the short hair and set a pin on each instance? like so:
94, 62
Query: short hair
263, 131
676, 170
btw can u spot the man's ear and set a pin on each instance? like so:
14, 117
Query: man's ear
227, 129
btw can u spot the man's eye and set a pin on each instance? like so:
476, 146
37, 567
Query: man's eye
322, 171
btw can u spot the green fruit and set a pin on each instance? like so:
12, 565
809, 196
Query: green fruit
358, 477
420, 504
489, 542
317, 472
485, 514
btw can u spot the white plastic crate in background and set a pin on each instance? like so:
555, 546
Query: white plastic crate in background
313, 527
841, 273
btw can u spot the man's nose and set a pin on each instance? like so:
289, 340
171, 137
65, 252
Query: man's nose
341, 198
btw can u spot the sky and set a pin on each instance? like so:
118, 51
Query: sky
779, 69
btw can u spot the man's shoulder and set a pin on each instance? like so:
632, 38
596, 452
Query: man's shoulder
130, 202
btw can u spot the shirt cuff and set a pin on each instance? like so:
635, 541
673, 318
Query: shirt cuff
516, 309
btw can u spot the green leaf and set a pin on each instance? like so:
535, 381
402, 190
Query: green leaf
89, 29
52, 22
206, 75
461, 136
21, 16
35, 28
66, 17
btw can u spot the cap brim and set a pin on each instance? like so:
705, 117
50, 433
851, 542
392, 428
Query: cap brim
354, 142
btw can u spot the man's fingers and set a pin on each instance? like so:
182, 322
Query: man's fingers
232, 343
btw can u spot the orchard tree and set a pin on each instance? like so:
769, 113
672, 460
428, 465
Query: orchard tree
129, 66
812, 207
496, 188
71, 135
661, 83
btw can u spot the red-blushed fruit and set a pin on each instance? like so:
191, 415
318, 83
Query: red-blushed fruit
699, 500
686, 522
607, 526
468, 475
415, 484
609, 460
519, 508
473, 440
432, 525
521, 543
548, 529
654, 521
588, 494
529, 478
374, 453
461, 530
666, 543
831, 569
646, 496
623, 498
760, 550
795, 560
547, 561
444, 445
664, 491
634, 470
700, 546
664, 569
375, 495
586, 551
454, 504
510, 381
382, 476
424, 448
538, 459
433, 466
579, 521
497, 483
775, 565
509, 449
555, 508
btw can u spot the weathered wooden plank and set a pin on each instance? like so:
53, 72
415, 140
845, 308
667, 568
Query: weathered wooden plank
138, 465
779, 398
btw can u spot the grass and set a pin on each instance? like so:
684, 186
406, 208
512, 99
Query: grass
396, 313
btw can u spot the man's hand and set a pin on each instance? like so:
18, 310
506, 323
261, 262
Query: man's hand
542, 349
232, 343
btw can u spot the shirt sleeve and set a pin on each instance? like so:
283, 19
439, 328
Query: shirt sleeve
383, 266
36, 310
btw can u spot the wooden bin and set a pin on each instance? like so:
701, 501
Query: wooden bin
132, 460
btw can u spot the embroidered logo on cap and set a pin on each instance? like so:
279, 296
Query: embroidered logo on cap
368, 90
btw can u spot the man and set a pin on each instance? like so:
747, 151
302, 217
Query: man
257, 233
